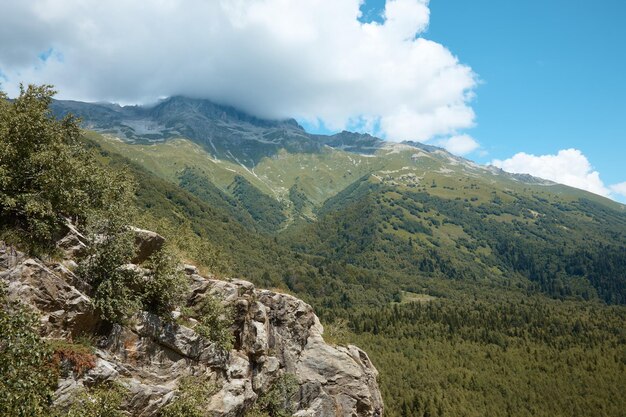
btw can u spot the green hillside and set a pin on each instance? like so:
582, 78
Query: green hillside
476, 292
418, 212
564, 249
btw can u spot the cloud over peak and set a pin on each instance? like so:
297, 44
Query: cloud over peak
568, 166
459, 144
311, 59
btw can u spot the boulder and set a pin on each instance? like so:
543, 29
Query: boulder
73, 243
147, 243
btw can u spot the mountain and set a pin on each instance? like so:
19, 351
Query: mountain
221, 130
227, 134
476, 292
402, 208
99, 317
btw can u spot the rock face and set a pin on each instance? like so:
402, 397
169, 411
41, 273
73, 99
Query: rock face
147, 243
274, 334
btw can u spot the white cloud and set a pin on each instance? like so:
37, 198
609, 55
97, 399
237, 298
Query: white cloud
569, 166
459, 144
310, 59
619, 189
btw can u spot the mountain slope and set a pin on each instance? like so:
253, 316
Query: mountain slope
407, 209
228, 133
564, 249
476, 292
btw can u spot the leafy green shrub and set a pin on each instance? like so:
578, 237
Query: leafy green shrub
192, 398
26, 377
165, 285
214, 322
277, 401
115, 287
46, 175
121, 291
101, 401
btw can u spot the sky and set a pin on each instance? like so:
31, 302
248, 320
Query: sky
552, 84
534, 86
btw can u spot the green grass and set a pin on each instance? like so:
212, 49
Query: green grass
474, 293
411, 297
320, 176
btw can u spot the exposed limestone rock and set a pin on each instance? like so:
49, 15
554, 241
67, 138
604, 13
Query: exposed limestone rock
73, 243
147, 243
274, 334
65, 311
9, 256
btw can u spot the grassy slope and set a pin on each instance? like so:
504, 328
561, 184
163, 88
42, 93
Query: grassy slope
322, 175
172, 210
491, 344
414, 212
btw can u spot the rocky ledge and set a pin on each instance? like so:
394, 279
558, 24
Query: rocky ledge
275, 334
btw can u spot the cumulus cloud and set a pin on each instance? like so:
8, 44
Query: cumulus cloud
459, 144
569, 166
311, 59
619, 189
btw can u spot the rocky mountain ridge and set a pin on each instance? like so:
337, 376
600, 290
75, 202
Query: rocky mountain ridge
276, 156
223, 131
275, 335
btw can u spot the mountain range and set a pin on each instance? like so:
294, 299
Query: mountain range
277, 179
401, 246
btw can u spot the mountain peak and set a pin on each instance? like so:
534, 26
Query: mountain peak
222, 130
223, 112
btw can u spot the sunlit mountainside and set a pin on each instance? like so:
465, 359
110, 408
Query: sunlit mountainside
402, 245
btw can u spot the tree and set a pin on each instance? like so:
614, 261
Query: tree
46, 175
116, 287
165, 285
214, 321
26, 377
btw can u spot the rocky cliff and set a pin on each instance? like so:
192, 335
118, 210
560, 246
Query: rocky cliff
274, 335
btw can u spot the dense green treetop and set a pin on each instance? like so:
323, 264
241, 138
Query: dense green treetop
46, 174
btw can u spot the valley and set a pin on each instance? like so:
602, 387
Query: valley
519, 273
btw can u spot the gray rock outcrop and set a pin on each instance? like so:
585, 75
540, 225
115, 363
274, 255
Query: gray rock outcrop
274, 334
147, 243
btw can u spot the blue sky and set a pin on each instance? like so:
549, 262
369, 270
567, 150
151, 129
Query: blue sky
553, 74
534, 86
